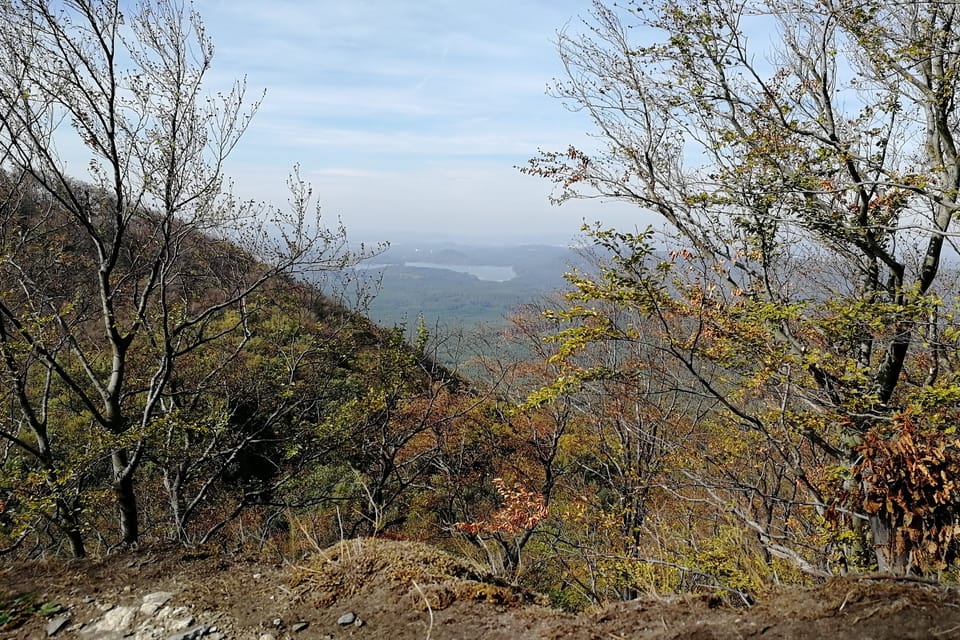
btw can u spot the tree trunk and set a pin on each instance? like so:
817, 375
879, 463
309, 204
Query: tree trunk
126, 498
173, 482
77, 548
890, 558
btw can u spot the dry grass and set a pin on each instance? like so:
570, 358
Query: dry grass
431, 578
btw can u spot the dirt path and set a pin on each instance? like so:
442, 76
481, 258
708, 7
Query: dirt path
381, 590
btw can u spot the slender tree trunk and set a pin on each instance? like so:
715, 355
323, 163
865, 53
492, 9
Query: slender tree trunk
75, 539
126, 498
172, 481
67, 522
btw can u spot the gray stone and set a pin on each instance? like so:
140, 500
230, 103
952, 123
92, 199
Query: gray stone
152, 602
56, 624
115, 620
172, 612
267, 636
347, 619
297, 627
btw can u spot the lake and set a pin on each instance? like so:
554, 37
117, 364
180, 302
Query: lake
486, 272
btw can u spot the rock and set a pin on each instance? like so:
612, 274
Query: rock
278, 623
115, 620
182, 623
267, 636
347, 619
152, 602
358, 622
147, 632
192, 633
297, 627
57, 623
172, 612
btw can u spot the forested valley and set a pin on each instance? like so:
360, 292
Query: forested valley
760, 390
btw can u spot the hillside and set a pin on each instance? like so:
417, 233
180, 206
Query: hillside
178, 386
381, 590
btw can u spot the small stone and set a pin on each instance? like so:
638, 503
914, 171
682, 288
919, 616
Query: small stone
158, 597
182, 623
297, 627
88, 600
267, 636
257, 576
58, 623
358, 622
146, 632
278, 623
192, 633
106, 606
347, 619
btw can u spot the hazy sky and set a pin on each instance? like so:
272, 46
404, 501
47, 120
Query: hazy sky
408, 116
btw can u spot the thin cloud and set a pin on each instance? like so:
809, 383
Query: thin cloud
386, 104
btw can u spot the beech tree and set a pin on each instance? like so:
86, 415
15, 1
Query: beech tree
109, 280
802, 157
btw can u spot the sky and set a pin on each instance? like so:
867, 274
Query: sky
407, 116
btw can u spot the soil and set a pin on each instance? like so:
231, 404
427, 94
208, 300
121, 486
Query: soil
406, 590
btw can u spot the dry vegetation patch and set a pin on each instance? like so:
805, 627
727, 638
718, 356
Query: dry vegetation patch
429, 577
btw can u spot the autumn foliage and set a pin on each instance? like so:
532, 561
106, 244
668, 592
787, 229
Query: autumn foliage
914, 477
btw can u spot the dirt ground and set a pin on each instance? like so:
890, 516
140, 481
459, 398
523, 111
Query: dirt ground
406, 590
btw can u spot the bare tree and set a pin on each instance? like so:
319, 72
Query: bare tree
109, 283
